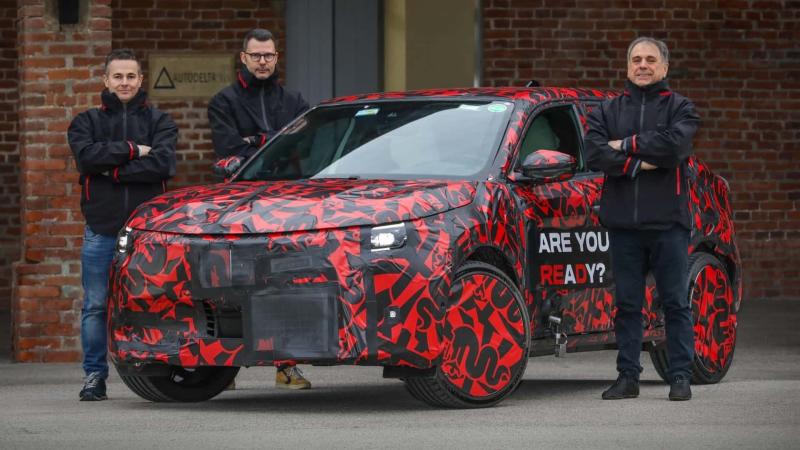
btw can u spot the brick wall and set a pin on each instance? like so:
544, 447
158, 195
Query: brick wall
739, 61
58, 68
9, 153
192, 27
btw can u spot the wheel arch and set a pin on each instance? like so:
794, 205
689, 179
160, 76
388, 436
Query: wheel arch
494, 257
729, 262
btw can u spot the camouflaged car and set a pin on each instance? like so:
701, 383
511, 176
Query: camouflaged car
445, 235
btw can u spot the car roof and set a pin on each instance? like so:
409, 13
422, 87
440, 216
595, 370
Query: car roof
522, 94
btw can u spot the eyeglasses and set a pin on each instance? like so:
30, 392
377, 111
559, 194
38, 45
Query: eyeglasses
256, 57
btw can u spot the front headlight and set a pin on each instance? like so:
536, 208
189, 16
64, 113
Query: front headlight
387, 237
124, 241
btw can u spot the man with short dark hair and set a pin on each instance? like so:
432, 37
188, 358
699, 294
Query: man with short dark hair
244, 116
642, 141
125, 153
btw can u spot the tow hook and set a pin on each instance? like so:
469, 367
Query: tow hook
561, 338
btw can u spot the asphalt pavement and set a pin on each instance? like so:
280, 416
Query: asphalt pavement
558, 406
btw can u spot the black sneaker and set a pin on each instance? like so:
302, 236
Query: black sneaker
624, 387
679, 389
94, 388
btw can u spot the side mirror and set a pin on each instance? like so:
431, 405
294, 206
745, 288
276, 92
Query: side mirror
226, 167
549, 165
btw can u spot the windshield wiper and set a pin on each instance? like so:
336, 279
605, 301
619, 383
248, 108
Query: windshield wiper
341, 177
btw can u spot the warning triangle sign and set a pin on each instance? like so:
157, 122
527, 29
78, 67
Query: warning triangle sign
164, 81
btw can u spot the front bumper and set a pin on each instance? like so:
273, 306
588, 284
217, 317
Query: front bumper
314, 297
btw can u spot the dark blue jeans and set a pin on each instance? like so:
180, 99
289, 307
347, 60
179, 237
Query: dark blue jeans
634, 253
96, 255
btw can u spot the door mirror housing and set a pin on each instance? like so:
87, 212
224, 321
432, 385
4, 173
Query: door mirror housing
544, 166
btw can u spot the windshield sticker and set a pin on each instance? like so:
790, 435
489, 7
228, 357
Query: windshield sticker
497, 107
367, 112
470, 107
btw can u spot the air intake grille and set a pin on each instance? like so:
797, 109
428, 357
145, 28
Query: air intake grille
211, 321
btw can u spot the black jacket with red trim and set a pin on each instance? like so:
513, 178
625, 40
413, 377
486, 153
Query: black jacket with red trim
656, 125
115, 178
251, 109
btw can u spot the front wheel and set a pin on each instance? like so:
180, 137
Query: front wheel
181, 384
714, 316
485, 342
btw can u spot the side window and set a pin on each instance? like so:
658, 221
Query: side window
554, 128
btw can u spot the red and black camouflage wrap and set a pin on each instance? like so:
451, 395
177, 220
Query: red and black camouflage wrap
175, 291
713, 232
551, 165
714, 319
227, 166
484, 342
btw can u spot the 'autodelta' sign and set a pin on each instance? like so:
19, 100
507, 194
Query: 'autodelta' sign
188, 76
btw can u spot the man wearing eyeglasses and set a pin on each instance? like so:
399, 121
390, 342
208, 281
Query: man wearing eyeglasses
243, 117
254, 107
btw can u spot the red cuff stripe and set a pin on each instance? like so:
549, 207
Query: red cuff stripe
633, 141
116, 174
678, 180
263, 139
132, 152
627, 163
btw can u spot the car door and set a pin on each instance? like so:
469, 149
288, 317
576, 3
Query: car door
568, 260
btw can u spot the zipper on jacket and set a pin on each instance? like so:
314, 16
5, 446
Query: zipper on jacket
636, 181
124, 121
636, 200
641, 114
125, 138
264, 110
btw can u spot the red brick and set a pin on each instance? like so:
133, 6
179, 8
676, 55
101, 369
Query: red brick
38, 291
44, 342
38, 269
42, 63
39, 317
46, 164
68, 74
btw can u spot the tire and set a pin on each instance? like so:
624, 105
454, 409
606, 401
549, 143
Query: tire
485, 342
182, 384
714, 317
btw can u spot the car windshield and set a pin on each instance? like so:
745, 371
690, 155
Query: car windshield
386, 140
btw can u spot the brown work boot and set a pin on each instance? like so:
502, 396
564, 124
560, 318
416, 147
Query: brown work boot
291, 378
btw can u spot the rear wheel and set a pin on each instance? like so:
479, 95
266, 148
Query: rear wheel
181, 384
485, 342
714, 314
